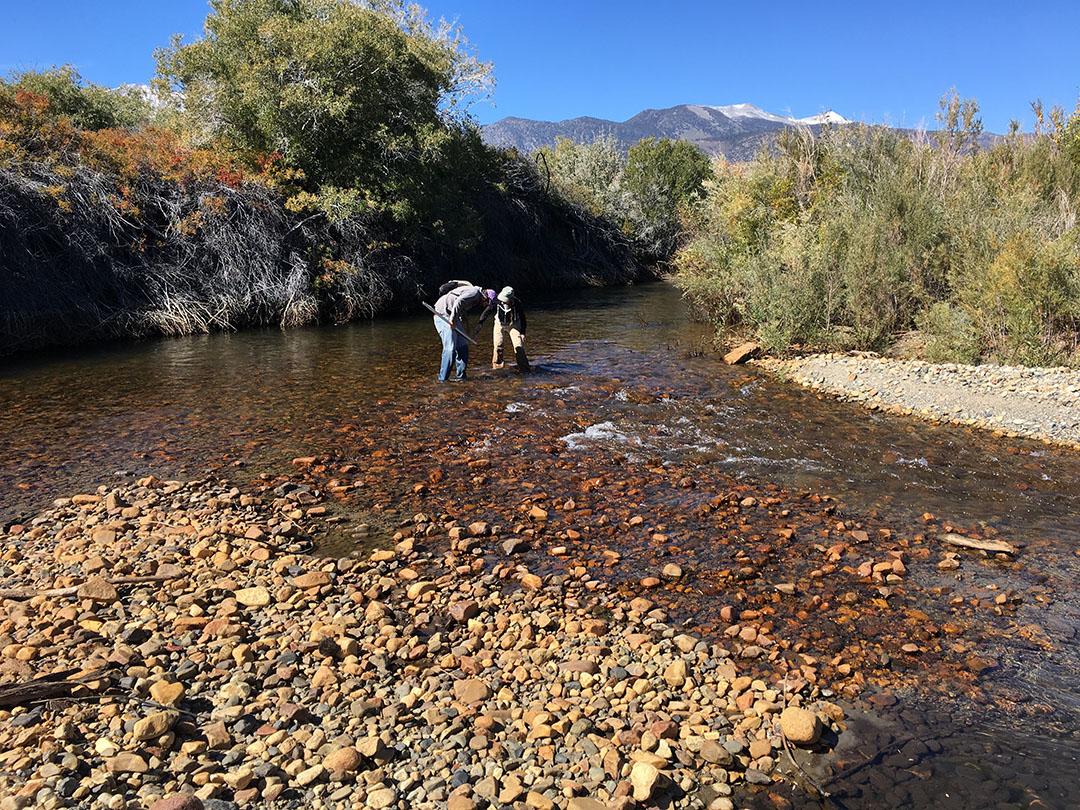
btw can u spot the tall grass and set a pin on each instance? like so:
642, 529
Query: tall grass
862, 236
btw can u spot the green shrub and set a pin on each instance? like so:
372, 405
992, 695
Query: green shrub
951, 336
648, 193
87, 106
590, 174
661, 178
852, 237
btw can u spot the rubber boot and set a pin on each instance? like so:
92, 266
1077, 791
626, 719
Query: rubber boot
522, 360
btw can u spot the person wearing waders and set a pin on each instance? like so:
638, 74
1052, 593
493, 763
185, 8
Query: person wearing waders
509, 318
452, 306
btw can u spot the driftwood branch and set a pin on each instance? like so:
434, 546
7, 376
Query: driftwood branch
71, 590
47, 687
19, 693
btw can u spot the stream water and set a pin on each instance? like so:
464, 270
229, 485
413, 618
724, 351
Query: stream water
625, 385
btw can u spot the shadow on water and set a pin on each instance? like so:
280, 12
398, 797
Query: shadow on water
622, 371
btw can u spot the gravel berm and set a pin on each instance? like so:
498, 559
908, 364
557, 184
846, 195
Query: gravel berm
1037, 403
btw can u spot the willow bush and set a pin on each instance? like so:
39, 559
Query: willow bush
647, 192
860, 236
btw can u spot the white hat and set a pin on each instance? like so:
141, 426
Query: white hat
506, 294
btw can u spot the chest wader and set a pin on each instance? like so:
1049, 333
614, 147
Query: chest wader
517, 339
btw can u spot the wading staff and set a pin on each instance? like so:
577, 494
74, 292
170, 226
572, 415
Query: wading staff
448, 321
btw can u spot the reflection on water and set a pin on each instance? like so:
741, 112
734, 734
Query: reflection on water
632, 363
268, 394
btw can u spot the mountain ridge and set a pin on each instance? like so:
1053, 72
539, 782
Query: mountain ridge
736, 131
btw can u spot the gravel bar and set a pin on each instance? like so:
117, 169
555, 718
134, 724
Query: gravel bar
1038, 403
190, 656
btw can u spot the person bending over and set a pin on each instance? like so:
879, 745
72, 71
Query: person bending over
509, 320
453, 306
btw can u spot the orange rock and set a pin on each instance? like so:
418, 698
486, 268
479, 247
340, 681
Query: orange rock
312, 579
97, 589
742, 353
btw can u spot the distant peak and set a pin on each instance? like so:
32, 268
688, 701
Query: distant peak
749, 111
745, 110
737, 131
827, 117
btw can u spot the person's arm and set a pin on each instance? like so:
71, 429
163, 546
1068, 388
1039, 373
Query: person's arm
450, 309
483, 315
521, 317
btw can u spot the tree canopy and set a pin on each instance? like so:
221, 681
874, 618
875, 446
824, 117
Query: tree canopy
662, 177
353, 95
88, 106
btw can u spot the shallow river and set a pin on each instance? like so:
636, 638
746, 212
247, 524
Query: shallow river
624, 383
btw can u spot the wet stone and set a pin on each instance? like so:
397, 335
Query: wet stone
178, 802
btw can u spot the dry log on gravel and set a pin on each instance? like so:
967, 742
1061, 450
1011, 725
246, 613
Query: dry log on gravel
71, 590
47, 687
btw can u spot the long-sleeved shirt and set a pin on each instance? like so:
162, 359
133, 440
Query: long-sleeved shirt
459, 301
453, 283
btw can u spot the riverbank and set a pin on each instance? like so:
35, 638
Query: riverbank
233, 257
1036, 403
180, 640
132, 229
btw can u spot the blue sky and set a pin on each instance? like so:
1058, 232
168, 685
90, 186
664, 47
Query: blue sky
872, 61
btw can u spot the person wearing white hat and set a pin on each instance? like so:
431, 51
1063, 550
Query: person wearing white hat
509, 318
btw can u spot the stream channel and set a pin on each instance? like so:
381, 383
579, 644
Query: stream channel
629, 395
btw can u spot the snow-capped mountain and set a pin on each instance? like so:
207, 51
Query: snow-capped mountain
827, 117
737, 131
750, 111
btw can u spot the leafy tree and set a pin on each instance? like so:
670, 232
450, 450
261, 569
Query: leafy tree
662, 177
645, 192
356, 96
88, 106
